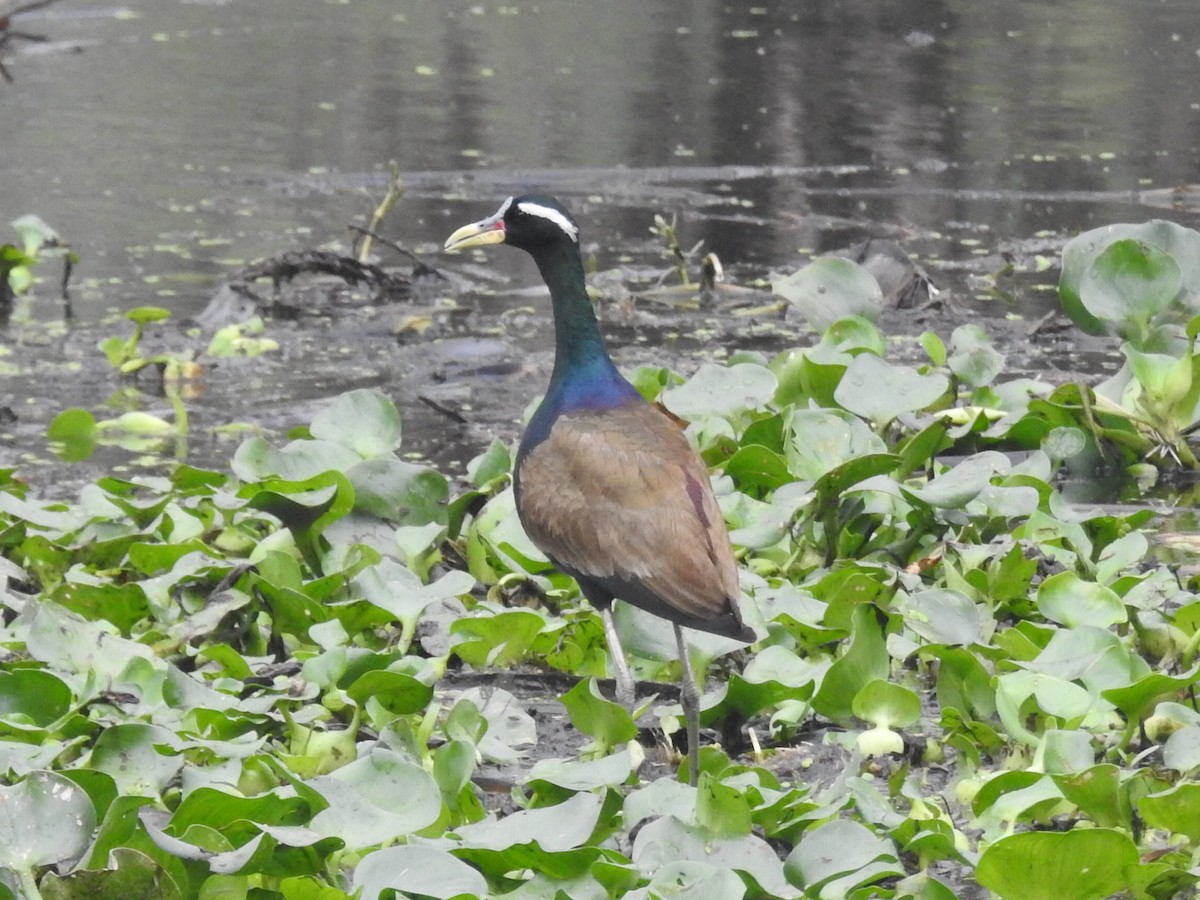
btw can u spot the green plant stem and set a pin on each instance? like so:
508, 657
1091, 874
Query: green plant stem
29, 885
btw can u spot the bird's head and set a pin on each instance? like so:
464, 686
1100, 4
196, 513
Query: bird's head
530, 223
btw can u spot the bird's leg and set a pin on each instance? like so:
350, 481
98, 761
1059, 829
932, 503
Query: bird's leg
689, 699
616, 653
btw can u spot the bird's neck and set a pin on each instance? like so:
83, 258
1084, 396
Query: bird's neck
584, 375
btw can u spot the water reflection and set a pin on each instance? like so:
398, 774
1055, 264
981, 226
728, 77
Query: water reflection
181, 124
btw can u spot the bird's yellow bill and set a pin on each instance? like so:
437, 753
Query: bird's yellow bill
477, 234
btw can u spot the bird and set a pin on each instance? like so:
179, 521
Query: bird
607, 484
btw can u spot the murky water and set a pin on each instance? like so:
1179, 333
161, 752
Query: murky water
172, 141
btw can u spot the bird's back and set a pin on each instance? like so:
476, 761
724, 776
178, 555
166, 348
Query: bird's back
618, 498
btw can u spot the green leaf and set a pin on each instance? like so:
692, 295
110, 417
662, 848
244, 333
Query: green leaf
32, 697
943, 617
883, 703
35, 234
417, 869
44, 819
722, 809
130, 754
379, 797
72, 434
608, 723
1069, 600
820, 440
144, 315
668, 841
907, 390
130, 874
844, 853
722, 391
1081, 253
864, 661
399, 491
973, 358
364, 421
397, 692
830, 288
1084, 864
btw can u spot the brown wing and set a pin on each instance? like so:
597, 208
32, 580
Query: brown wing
620, 496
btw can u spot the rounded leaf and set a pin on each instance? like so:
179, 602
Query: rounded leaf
830, 288
44, 819
416, 869
1067, 599
1085, 864
879, 391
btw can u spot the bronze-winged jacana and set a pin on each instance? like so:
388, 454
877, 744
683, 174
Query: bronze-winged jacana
606, 484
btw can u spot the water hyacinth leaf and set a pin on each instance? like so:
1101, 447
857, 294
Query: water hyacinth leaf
36, 233
378, 797
773, 675
1020, 695
722, 809
66, 642
690, 880
1089, 654
861, 389
667, 841
840, 851
958, 486
722, 391
417, 869
398, 590
500, 640
830, 288
757, 470
1064, 442
364, 421
129, 874
943, 617
399, 491
1137, 700
973, 358
864, 660
1081, 252
613, 770
1117, 556
1095, 791
820, 440
1182, 750
129, 753
934, 347
550, 839
32, 697
886, 706
72, 435
883, 703
509, 724
44, 819
1128, 284
1067, 599
491, 465
1175, 810
1084, 864
124, 605
256, 460
1063, 752
397, 692
963, 683
608, 723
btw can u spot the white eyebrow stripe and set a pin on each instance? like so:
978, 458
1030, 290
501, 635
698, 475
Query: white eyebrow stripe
536, 209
